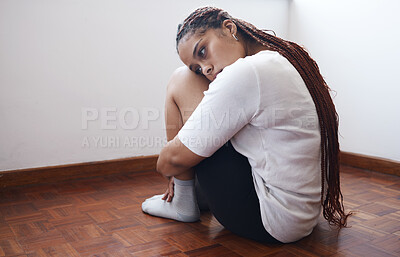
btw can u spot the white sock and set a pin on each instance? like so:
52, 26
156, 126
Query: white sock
183, 206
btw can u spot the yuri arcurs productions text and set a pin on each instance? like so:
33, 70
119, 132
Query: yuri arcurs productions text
122, 142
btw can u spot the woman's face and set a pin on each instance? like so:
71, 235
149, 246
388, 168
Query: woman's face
210, 52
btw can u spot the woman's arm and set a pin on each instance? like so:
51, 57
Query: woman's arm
175, 158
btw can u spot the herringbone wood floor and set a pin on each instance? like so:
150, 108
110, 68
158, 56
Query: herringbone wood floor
102, 217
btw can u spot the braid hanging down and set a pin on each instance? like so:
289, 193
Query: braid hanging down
331, 197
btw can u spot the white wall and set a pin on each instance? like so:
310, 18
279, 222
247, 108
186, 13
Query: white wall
357, 46
59, 57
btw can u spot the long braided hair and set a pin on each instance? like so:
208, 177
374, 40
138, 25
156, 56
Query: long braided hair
205, 18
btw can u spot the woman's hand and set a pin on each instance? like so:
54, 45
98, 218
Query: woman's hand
169, 194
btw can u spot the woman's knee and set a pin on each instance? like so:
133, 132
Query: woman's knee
186, 88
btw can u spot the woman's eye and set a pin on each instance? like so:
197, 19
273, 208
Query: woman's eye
198, 71
202, 52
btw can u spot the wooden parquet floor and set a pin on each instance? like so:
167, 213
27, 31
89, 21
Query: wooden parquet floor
102, 217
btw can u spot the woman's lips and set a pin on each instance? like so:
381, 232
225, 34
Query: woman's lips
217, 74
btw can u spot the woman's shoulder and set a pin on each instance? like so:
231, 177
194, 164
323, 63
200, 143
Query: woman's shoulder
269, 63
252, 62
265, 57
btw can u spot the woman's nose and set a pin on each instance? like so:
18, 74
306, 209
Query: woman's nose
207, 70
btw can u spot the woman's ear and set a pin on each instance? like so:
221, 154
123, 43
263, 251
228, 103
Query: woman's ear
230, 26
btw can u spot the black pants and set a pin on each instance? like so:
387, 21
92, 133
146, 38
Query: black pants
226, 181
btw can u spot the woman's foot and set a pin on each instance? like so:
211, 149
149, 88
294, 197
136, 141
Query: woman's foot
183, 206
